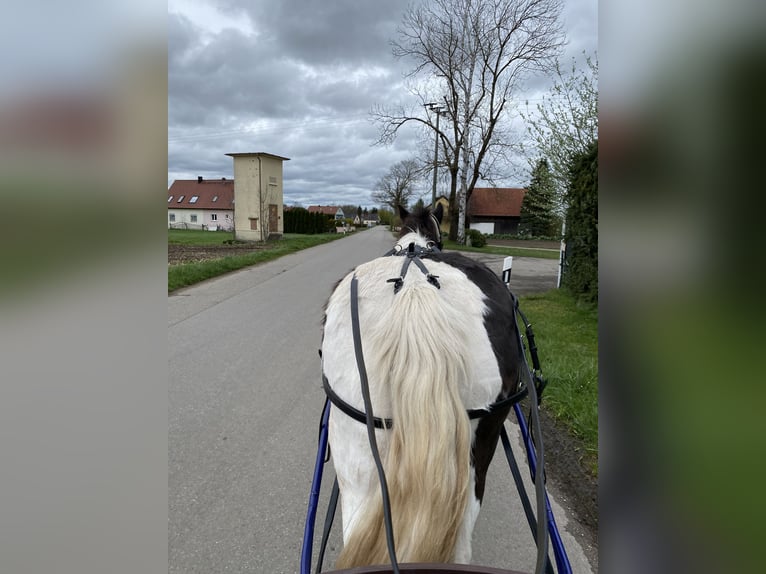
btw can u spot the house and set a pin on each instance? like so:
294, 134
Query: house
201, 204
330, 210
258, 196
352, 216
370, 219
495, 209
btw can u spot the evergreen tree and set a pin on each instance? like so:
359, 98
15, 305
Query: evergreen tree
582, 226
538, 215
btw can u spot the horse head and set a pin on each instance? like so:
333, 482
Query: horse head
424, 224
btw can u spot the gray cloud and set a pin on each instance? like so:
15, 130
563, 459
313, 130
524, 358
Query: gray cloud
297, 78
318, 33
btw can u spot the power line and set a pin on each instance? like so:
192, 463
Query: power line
305, 124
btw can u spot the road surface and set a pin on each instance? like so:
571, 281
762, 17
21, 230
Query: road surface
244, 402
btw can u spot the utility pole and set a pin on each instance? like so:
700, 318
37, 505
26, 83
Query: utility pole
438, 108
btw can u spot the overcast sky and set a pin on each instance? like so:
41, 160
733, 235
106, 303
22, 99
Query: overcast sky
298, 78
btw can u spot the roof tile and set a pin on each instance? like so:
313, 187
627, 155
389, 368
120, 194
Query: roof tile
496, 201
326, 209
207, 191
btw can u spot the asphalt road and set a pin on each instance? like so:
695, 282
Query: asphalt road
244, 403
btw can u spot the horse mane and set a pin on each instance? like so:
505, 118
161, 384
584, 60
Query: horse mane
428, 460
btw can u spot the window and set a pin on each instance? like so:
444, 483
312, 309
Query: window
213, 217
215, 198
181, 198
193, 219
172, 217
170, 199
194, 199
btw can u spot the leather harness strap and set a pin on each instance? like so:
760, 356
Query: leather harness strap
412, 253
379, 423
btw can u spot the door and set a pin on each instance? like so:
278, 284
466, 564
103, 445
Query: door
273, 219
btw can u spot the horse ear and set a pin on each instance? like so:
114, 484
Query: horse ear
403, 213
439, 212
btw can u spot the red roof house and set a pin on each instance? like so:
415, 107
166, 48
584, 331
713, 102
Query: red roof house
495, 209
201, 203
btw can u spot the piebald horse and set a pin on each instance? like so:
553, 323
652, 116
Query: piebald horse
441, 349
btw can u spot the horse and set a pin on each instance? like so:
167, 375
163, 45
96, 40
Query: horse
442, 353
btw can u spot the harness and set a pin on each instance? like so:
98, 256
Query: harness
543, 526
411, 255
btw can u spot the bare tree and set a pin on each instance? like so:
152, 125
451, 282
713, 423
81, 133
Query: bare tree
566, 122
471, 55
397, 186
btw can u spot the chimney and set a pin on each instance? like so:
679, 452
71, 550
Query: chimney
199, 179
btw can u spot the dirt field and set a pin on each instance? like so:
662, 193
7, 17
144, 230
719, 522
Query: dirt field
181, 253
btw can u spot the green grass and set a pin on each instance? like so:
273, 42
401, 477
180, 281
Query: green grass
187, 274
513, 251
198, 237
566, 334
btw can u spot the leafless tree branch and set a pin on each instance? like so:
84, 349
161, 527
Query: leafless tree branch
477, 51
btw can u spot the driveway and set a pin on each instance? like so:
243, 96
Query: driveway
528, 274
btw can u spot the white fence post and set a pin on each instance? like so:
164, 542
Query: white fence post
507, 265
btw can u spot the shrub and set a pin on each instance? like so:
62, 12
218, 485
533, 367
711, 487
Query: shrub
477, 238
299, 220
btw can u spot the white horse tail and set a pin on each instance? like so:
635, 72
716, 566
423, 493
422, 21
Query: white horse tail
418, 355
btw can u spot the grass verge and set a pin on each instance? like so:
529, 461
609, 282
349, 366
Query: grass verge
187, 274
512, 251
567, 339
